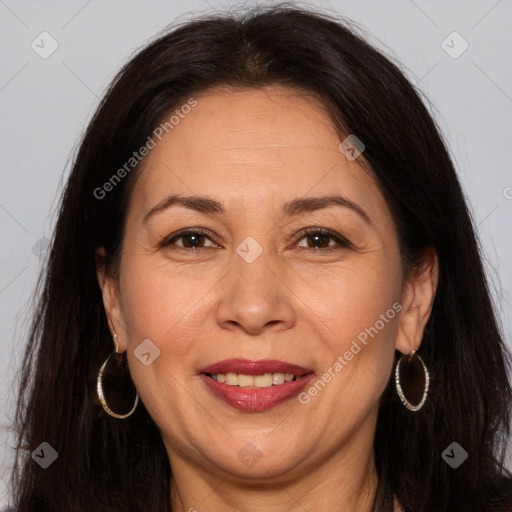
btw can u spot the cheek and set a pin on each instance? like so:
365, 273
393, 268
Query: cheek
157, 305
356, 296
357, 355
166, 305
362, 314
158, 302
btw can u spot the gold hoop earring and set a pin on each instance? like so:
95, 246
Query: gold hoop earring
412, 371
117, 378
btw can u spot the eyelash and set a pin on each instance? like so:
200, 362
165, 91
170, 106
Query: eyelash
342, 242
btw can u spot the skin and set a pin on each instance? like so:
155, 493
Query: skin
253, 150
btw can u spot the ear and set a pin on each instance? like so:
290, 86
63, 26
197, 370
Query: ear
110, 292
417, 299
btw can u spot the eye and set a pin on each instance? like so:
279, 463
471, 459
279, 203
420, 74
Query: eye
189, 240
318, 239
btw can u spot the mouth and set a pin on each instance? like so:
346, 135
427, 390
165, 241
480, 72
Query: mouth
255, 385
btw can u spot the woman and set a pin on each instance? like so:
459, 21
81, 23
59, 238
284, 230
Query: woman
264, 292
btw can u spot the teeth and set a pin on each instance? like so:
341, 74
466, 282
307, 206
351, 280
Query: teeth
277, 378
260, 381
232, 379
245, 381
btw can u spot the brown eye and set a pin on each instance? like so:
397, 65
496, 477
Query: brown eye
321, 239
192, 240
318, 240
189, 240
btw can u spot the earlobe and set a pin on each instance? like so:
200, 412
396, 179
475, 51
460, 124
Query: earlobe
417, 301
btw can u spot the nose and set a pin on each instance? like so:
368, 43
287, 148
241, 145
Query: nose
255, 298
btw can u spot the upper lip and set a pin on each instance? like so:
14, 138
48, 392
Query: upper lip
259, 367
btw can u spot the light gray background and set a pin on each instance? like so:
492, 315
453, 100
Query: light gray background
46, 103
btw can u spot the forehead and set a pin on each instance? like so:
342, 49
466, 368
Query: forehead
251, 146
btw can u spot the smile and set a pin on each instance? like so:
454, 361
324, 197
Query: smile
254, 386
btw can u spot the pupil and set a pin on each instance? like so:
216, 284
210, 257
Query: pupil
317, 239
192, 239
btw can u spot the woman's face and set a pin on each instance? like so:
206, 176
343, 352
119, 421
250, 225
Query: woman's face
256, 167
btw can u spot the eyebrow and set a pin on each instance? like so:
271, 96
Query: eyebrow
211, 206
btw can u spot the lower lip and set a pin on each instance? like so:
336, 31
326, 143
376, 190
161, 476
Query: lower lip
252, 399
